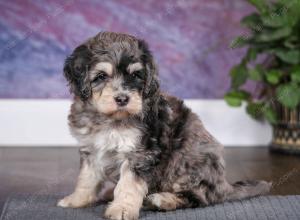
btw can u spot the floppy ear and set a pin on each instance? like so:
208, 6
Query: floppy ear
152, 84
76, 72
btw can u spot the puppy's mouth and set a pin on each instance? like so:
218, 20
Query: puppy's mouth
120, 113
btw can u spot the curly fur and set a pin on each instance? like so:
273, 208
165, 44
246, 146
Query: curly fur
171, 157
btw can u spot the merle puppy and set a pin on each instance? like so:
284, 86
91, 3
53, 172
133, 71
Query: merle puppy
149, 144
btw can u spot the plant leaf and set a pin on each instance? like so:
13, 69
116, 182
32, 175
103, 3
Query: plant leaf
238, 75
277, 16
291, 9
295, 75
272, 35
238, 42
260, 5
292, 42
252, 21
288, 56
270, 114
288, 95
258, 110
256, 73
273, 20
251, 54
255, 110
235, 98
273, 76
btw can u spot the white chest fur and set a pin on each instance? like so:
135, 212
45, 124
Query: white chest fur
121, 140
111, 146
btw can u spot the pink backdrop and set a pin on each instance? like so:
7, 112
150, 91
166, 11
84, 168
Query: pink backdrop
189, 38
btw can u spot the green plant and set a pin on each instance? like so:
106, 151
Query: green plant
272, 59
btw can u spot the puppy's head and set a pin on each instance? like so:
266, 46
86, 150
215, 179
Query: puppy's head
114, 72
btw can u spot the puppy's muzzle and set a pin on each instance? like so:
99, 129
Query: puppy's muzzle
122, 100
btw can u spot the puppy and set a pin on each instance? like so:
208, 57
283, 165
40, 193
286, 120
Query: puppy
149, 144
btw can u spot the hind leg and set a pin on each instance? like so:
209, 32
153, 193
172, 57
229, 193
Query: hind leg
165, 201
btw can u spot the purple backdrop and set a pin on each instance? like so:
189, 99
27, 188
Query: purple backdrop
189, 38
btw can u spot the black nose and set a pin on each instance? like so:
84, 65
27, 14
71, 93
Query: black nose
122, 100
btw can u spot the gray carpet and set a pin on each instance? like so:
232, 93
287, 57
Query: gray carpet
42, 207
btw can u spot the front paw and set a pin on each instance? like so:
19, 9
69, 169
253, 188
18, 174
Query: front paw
121, 212
75, 201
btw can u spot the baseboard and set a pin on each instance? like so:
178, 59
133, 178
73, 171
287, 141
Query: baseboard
44, 123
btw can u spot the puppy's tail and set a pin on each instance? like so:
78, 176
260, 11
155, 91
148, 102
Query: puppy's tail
247, 189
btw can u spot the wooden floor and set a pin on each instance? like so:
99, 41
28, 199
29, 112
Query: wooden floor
54, 170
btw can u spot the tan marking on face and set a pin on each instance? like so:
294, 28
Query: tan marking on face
102, 66
135, 103
134, 67
104, 100
106, 104
128, 195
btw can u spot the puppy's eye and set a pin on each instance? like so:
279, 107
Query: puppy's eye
137, 74
100, 77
